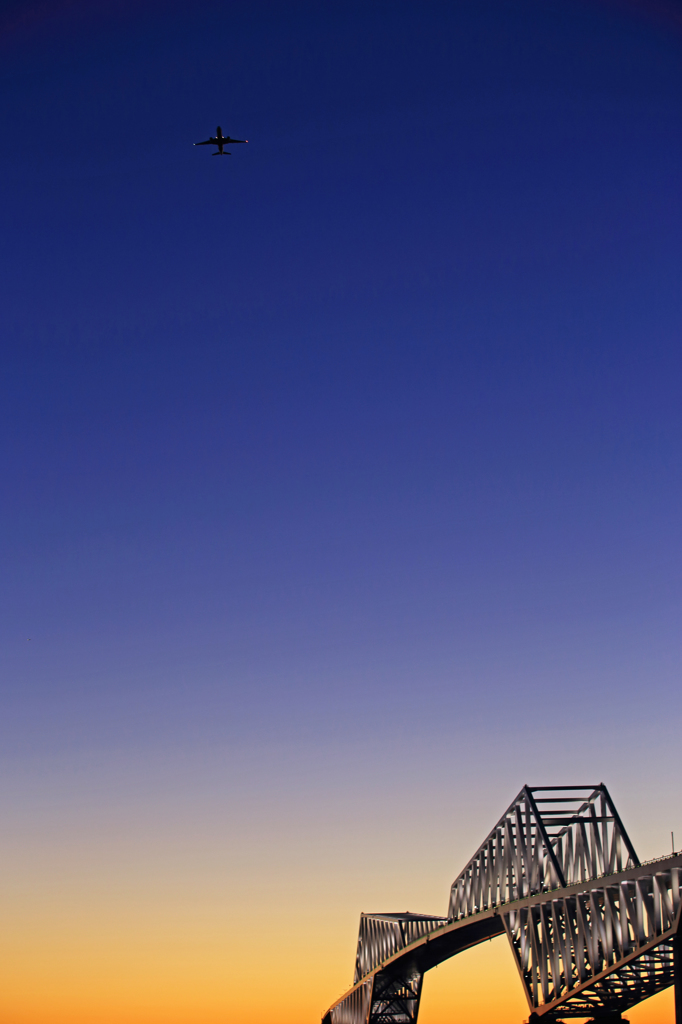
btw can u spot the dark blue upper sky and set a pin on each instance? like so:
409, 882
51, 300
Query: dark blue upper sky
387, 401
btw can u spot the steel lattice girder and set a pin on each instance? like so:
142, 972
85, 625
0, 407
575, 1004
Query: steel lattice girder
354, 1007
382, 935
606, 945
395, 996
592, 930
546, 839
386, 997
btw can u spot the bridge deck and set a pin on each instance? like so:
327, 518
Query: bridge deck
454, 937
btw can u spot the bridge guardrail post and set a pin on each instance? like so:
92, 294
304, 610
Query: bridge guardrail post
677, 972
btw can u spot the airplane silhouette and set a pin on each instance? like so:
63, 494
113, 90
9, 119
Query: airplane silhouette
220, 141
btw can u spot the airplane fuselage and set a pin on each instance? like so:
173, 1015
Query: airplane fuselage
220, 141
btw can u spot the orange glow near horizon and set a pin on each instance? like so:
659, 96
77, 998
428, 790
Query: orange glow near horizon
149, 975
211, 910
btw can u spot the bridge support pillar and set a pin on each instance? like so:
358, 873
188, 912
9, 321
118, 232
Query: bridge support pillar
609, 1018
395, 997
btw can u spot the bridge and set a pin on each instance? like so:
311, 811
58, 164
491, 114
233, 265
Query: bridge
592, 930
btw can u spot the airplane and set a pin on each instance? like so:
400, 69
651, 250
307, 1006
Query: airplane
220, 141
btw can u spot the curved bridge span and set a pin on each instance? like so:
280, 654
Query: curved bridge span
592, 930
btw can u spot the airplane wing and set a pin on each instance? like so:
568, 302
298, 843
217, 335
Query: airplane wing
236, 140
208, 142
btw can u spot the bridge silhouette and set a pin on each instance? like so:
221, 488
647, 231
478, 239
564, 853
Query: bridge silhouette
592, 930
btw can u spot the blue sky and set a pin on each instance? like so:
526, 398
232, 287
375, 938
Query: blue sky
406, 367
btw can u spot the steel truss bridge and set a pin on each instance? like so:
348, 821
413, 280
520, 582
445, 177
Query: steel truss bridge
592, 930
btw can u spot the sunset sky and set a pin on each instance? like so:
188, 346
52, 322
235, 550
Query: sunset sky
340, 480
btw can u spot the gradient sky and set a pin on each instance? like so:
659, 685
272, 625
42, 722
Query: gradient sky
340, 480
